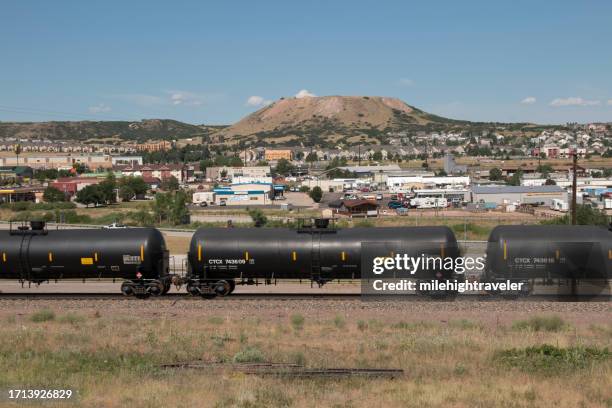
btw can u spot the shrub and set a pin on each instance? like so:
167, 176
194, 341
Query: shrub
249, 355
43, 315
339, 322
362, 325
71, 318
541, 323
297, 321
550, 359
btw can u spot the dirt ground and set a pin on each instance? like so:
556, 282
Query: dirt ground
453, 354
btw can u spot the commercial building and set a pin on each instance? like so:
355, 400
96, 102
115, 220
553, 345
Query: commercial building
126, 160
402, 184
11, 195
452, 195
378, 174
14, 172
71, 185
154, 146
358, 208
274, 155
255, 172
244, 194
155, 171
62, 161
535, 195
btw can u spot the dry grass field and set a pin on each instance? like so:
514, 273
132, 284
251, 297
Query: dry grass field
453, 354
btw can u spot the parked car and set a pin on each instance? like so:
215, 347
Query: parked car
394, 205
365, 190
203, 204
379, 196
393, 197
115, 225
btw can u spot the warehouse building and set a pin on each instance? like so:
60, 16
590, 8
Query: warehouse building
534, 195
244, 194
219, 172
403, 184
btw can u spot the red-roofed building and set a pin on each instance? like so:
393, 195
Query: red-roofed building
70, 185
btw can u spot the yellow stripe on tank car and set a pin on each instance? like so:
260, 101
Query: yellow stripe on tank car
142, 253
50, 256
96, 256
505, 250
343, 256
442, 250
557, 254
609, 253
246, 255
199, 252
294, 256
4, 256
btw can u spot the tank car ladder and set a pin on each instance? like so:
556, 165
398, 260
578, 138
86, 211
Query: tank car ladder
315, 260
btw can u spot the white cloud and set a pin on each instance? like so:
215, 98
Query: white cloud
406, 82
573, 101
530, 100
169, 97
99, 108
186, 98
141, 99
257, 101
304, 93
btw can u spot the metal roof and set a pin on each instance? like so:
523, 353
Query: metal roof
373, 169
516, 189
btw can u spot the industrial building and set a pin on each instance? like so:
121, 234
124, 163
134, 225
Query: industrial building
403, 184
378, 174
255, 172
61, 161
244, 194
535, 195
452, 195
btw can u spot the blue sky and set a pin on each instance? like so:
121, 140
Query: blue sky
214, 62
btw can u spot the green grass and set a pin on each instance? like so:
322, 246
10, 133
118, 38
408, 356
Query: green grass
551, 359
43, 315
297, 321
71, 318
541, 323
249, 355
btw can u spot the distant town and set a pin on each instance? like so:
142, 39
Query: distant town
452, 173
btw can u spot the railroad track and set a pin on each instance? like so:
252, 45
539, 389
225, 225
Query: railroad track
294, 296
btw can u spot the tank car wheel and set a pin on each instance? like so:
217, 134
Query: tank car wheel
223, 288
155, 288
127, 289
193, 289
232, 286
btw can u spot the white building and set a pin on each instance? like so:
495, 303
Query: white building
399, 184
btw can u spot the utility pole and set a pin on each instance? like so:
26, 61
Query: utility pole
359, 155
574, 185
